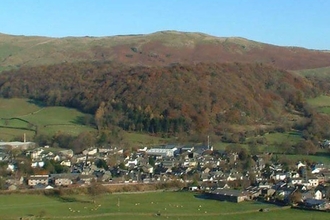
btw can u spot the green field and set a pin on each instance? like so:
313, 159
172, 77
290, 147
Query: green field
320, 72
318, 157
170, 205
321, 103
19, 116
141, 139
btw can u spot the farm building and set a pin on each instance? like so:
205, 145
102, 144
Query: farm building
229, 195
163, 151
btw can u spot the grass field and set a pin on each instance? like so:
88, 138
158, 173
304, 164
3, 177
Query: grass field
271, 138
320, 72
319, 157
144, 139
18, 115
321, 103
170, 205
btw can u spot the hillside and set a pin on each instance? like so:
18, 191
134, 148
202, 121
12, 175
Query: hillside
160, 48
22, 116
194, 98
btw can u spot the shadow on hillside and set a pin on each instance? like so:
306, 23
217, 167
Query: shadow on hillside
64, 198
256, 201
87, 120
37, 103
323, 154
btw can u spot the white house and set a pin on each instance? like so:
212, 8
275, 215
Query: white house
314, 182
280, 176
66, 163
37, 164
131, 163
318, 195
36, 154
11, 167
90, 152
295, 181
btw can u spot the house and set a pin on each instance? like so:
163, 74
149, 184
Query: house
11, 167
222, 185
317, 204
283, 193
90, 152
168, 163
131, 163
12, 187
56, 158
36, 154
295, 181
15, 181
4, 156
279, 176
193, 188
63, 179
37, 164
34, 180
318, 195
323, 189
142, 149
260, 162
66, 163
107, 176
86, 179
66, 153
200, 149
313, 182
300, 164
267, 192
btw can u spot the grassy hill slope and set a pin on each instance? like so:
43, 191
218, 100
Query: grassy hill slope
19, 116
160, 48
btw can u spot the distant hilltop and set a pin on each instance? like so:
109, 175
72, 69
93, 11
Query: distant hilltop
156, 49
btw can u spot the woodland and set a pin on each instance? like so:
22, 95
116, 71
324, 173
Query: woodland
231, 101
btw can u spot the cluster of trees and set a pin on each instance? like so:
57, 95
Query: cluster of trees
177, 98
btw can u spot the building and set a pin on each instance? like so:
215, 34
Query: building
63, 179
34, 180
229, 195
163, 151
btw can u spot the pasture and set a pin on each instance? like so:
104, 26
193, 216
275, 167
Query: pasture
147, 205
142, 140
321, 103
19, 116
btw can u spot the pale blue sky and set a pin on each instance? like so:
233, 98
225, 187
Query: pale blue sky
304, 23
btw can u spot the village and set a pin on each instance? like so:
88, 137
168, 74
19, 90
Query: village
215, 174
